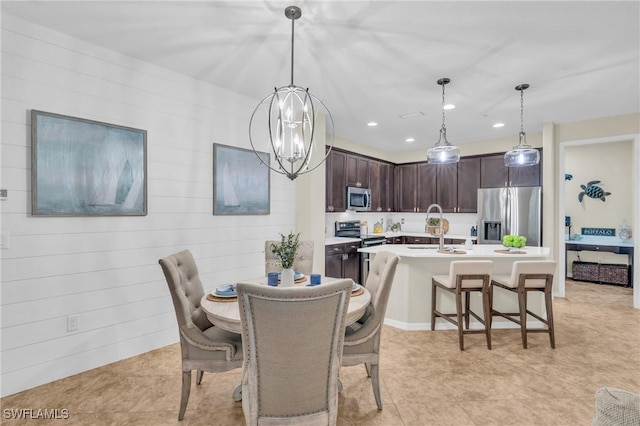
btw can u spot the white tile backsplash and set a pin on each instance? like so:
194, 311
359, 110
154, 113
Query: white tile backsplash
459, 223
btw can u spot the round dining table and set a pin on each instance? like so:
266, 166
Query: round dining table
225, 313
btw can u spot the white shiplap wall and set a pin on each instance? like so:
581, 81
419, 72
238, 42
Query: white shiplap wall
106, 268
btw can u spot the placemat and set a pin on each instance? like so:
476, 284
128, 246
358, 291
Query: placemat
358, 292
452, 252
510, 252
298, 281
215, 298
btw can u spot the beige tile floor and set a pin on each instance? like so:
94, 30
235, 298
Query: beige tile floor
425, 379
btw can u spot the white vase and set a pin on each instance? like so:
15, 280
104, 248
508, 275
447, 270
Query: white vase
286, 278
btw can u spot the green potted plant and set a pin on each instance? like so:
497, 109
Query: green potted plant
286, 251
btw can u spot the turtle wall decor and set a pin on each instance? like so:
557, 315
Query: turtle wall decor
592, 190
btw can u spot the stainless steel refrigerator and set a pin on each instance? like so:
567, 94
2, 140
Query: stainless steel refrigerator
510, 211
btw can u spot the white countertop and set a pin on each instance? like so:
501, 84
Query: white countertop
479, 250
602, 241
340, 240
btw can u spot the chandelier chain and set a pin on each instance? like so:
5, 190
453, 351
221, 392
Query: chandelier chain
293, 21
443, 106
521, 110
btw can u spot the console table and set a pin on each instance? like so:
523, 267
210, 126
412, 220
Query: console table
604, 244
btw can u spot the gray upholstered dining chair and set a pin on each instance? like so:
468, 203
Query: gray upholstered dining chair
292, 339
362, 339
303, 262
204, 347
527, 276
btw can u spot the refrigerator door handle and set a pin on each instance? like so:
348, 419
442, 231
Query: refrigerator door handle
507, 212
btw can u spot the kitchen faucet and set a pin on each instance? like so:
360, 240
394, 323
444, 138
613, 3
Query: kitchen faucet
441, 240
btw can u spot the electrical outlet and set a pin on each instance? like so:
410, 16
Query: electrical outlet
73, 322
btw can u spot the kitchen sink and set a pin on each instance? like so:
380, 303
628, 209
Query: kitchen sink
422, 248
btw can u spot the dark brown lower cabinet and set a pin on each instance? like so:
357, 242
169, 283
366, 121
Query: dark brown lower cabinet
342, 261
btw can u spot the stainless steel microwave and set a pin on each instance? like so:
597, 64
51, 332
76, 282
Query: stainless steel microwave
358, 199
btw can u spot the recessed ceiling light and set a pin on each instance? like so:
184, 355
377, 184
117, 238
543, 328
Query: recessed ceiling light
449, 106
498, 125
372, 124
410, 140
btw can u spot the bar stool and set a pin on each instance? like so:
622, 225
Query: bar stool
464, 277
526, 276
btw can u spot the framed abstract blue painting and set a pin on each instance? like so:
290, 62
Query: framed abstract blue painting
241, 184
82, 167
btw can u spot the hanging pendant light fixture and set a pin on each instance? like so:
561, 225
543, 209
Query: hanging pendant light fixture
295, 120
522, 155
443, 152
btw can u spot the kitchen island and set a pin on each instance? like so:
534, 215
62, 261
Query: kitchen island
410, 298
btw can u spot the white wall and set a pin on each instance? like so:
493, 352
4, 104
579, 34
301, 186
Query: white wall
610, 163
106, 268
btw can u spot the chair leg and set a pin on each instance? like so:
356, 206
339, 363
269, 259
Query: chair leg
375, 383
459, 318
522, 302
199, 377
433, 306
549, 307
367, 366
467, 305
486, 307
186, 389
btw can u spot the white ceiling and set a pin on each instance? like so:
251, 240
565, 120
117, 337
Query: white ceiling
378, 60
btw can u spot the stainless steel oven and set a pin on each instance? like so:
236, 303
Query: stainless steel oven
351, 229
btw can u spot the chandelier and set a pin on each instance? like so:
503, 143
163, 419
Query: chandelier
522, 155
288, 121
443, 152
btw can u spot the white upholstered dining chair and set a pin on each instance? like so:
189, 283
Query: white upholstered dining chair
362, 339
302, 264
204, 347
292, 341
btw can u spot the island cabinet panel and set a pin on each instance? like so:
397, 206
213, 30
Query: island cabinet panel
336, 183
357, 171
447, 187
494, 174
468, 184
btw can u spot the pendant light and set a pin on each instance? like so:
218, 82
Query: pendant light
522, 155
288, 123
443, 152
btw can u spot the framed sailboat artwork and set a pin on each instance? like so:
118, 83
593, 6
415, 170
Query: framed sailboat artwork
86, 168
241, 183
